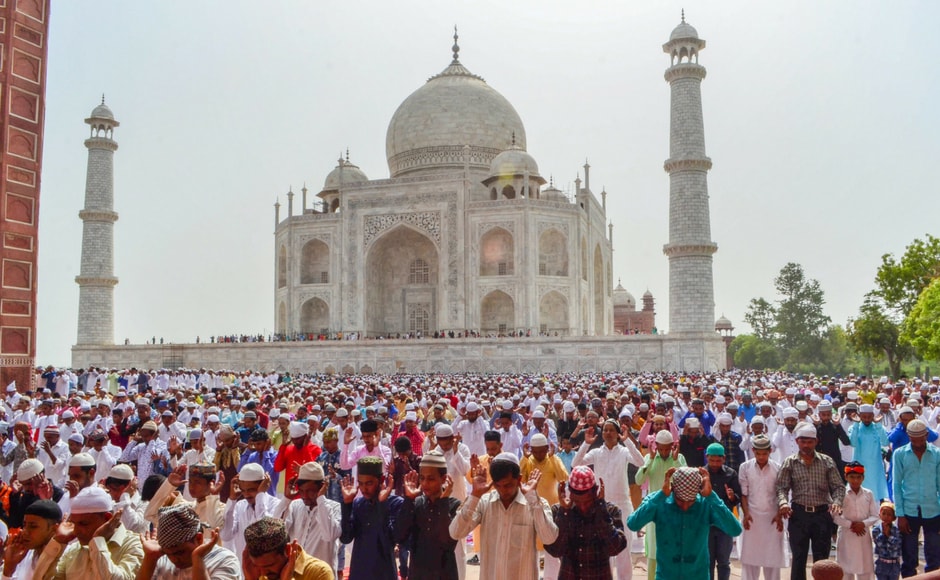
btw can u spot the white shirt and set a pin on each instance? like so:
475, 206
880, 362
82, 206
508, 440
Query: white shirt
471, 433
317, 529
611, 466
458, 464
758, 485
239, 515
57, 471
176, 429
508, 550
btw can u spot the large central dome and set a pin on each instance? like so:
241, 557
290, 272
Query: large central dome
453, 109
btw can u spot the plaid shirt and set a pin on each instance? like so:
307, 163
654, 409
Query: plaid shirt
734, 455
818, 483
887, 546
586, 542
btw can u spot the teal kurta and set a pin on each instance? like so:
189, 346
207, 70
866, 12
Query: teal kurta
868, 442
653, 473
683, 552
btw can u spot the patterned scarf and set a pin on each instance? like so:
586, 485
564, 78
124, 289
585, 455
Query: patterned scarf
227, 457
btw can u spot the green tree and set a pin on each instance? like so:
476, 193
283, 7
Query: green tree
876, 334
762, 317
800, 321
752, 352
900, 282
922, 326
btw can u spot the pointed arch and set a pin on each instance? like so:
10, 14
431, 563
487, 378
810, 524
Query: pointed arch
282, 267
497, 313
553, 314
282, 318
553, 253
496, 253
315, 317
315, 263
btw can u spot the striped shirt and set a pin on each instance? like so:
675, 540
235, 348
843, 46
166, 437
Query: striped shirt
818, 483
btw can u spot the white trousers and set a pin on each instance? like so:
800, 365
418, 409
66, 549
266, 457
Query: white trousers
459, 552
751, 572
622, 563
552, 566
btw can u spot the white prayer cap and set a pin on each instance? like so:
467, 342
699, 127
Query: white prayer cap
77, 437
411, 416
802, 405
538, 440
11, 388
311, 471
568, 407
29, 469
443, 430
68, 414
852, 395
824, 406
905, 409
757, 419
298, 429
342, 412
664, 437
790, 391
693, 423
506, 456
122, 472
274, 414
538, 414
790, 413
719, 400
507, 405
81, 460
866, 408
805, 430
472, 407
725, 419
884, 401
212, 419
251, 472
625, 412
91, 500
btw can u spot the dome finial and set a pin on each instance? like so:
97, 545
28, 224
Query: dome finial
347, 155
456, 47
683, 15
102, 98
551, 180
513, 138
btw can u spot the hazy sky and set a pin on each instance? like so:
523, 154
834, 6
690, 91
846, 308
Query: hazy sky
818, 118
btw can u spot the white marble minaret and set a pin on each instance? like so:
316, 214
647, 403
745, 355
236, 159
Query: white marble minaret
96, 281
690, 247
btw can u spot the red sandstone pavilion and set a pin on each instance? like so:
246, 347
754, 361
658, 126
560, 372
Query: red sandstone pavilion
24, 27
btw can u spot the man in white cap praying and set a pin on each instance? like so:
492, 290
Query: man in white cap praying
247, 503
146, 450
298, 451
784, 440
31, 476
763, 544
869, 438
472, 428
118, 486
81, 473
312, 519
112, 551
54, 455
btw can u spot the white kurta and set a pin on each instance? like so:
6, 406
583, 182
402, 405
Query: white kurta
317, 529
239, 515
856, 553
762, 545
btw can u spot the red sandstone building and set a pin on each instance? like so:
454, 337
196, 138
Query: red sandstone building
629, 320
24, 27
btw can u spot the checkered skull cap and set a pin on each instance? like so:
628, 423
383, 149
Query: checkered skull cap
177, 524
686, 483
582, 478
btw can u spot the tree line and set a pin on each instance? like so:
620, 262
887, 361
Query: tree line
898, 322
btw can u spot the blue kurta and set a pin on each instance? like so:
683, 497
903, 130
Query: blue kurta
683, 551
868, 442
372, 525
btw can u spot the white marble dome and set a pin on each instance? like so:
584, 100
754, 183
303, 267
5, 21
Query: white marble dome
102, 111
723, 324
622, 297
514, 161
344, 172
684, 30
452, 110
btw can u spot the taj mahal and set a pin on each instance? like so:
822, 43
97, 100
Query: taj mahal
465, 238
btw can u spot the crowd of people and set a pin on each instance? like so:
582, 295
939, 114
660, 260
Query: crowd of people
215, 474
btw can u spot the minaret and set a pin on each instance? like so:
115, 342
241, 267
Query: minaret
96, 281
690, 248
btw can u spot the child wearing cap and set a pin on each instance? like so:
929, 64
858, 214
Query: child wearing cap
859, 512
368, 521
424, 519
887, 539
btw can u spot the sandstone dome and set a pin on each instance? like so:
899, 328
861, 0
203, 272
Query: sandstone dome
453, 109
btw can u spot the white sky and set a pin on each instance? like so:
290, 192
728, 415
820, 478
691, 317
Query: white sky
820, 117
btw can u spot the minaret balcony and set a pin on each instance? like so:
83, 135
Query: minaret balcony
694, 164
682, 250
98, 215
684, 70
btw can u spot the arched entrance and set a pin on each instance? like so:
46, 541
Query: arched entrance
553, 314
402, 273
497, 313
314, 317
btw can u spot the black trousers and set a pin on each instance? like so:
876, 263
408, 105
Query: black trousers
808, 528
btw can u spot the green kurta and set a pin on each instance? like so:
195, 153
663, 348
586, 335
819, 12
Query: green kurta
683, 552
653, 473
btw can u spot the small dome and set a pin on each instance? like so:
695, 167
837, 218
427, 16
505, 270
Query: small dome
684, 30
102, 111
552, 193
514, 161
622, 297
647, 294
345, 172
723, 324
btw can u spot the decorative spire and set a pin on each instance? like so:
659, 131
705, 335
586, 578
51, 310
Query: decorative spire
683, 16
347, 155
102, 98
513, 139
456, 47
551, 180
304, 187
